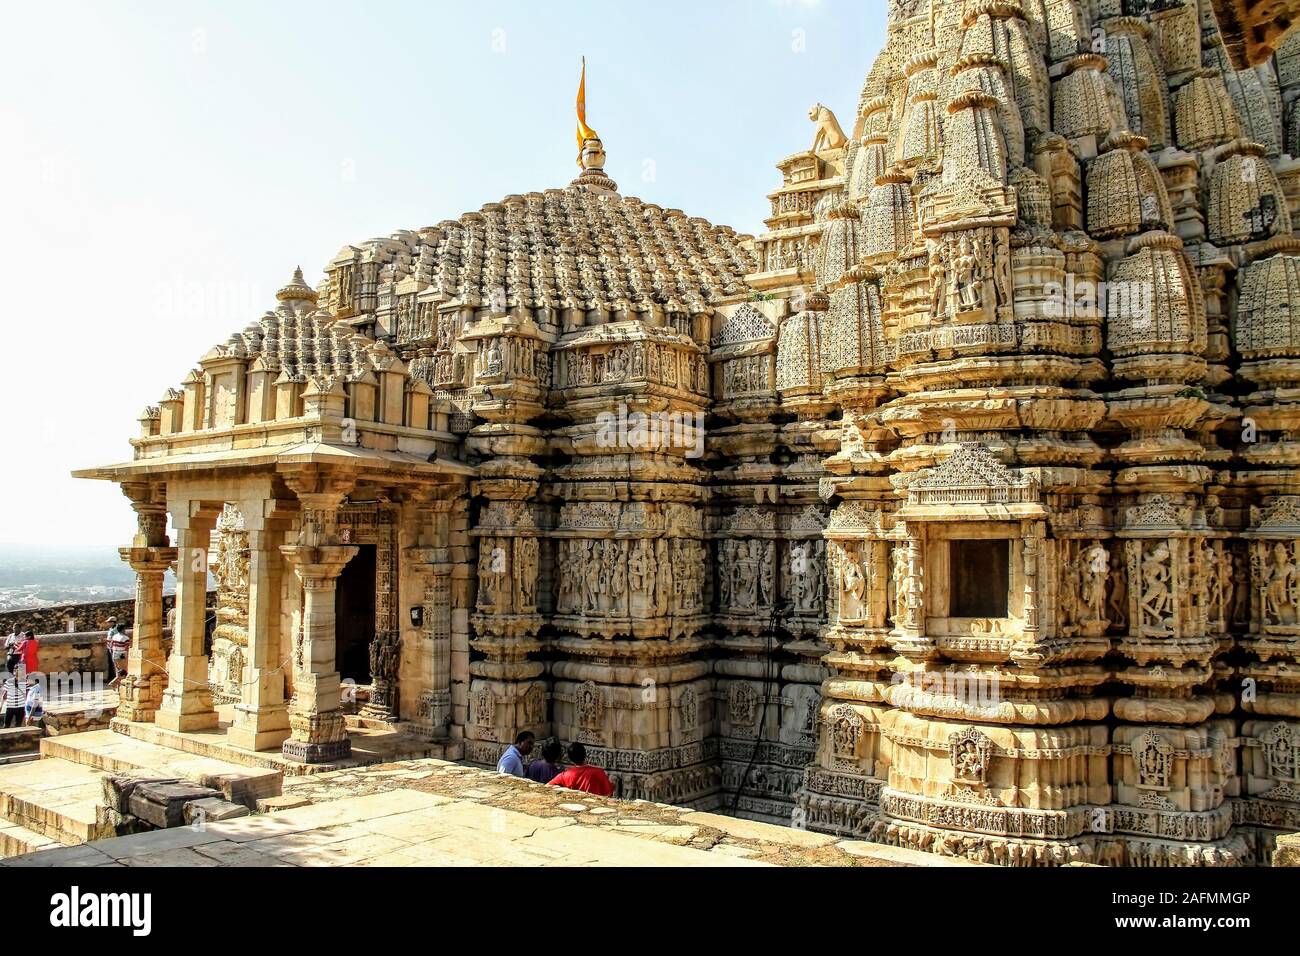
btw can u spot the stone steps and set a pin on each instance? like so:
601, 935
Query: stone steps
111, 752
19, 740
59, 799
56, 799
17, 840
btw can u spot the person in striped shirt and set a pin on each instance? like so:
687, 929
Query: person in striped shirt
13, 699
119, 642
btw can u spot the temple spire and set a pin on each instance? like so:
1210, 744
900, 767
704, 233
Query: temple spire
591, 152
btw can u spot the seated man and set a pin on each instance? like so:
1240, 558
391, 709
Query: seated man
547, 767
582, 777
512, 761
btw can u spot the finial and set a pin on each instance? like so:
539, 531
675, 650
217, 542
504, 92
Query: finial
585, 132
591, 152
297, 290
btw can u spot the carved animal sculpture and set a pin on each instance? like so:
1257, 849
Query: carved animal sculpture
829, 134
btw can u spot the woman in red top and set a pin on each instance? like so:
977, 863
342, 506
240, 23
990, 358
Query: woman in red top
30, 651
582, 777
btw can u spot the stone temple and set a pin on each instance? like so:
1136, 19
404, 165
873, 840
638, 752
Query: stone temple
959, 510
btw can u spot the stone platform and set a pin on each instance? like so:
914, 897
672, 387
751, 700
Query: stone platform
433, 813
372, 742
78, 713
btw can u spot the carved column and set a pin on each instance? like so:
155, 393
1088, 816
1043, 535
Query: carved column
429, 561
262, 716
140, 692
318, 730
434, 715
187, 701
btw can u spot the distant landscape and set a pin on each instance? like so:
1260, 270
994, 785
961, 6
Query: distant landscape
32, 577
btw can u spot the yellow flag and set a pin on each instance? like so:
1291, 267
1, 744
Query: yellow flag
585, 132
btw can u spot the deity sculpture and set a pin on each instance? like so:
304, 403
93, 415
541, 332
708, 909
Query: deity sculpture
1156, 600
1281, 592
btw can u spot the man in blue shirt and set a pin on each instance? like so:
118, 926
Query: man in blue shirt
512, 761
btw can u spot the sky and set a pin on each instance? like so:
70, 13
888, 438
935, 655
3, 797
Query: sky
164, 166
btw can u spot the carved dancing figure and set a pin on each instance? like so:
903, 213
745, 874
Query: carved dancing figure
1156, 601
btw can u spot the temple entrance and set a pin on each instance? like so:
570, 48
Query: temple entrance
354, 610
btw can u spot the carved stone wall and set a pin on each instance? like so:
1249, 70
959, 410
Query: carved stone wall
1059, 524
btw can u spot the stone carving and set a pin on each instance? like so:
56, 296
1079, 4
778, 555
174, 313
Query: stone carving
1280, 587
1153, 756
845, 728
829, 134
1282, 752
1155, 601
969, 751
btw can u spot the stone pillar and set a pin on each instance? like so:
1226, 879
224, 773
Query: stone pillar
435, 706
262, 716
430, 562
140, 692
318, 731
187, 701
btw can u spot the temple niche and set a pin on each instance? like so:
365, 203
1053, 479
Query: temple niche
959, 510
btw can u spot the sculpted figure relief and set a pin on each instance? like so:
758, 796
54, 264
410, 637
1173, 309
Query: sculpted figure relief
1156, 599
1281, 592
1096, 573
967, 284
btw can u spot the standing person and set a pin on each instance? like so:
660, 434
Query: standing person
119, 642
512, 761
13, 698
12, 657
109, 670
34, 707
547, 767
582, 776
30, 649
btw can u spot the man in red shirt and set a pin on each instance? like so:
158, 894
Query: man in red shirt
581, 776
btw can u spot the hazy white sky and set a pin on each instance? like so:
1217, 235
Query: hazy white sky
165, 165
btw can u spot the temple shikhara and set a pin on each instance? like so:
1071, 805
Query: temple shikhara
958, 511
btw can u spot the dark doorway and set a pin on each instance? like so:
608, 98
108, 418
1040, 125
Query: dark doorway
354, 611
979, 574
